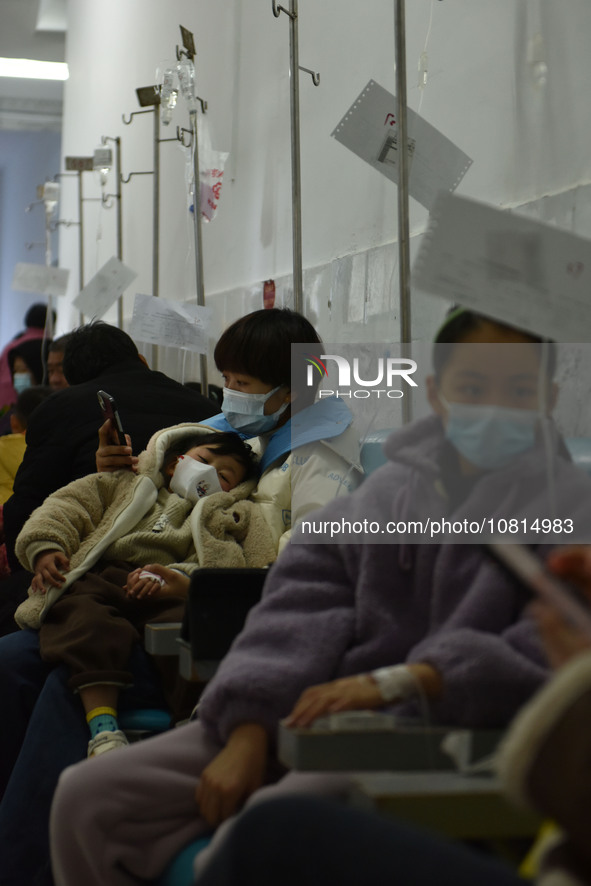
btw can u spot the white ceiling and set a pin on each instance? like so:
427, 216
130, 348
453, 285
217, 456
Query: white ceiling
32, 29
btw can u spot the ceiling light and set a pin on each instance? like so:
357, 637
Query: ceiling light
31, 69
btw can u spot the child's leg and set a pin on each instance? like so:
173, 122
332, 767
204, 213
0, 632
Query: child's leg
93, 629
94, 626
87, 629
100, 702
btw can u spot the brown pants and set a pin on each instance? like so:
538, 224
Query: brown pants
93, 627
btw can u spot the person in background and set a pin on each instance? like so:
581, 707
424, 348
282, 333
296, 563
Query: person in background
61, 437
12, 450
27, 367
35, 322
26, 361
55, 363
12, 446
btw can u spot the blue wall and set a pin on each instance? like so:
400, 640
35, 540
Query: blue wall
27, 159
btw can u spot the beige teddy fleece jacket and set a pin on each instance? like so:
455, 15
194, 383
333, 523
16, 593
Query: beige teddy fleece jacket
91, 515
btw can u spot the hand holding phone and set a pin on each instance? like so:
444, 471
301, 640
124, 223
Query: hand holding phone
110, 412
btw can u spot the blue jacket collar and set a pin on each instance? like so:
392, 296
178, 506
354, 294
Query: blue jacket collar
322, 420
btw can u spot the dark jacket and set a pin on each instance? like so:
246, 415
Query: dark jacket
62, 433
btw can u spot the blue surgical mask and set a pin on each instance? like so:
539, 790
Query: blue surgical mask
246, 412
21, 381
490, 436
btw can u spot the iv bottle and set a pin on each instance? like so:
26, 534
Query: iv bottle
168, 96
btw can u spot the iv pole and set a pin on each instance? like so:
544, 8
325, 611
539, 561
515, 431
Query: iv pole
150, 95
296, 192
189, 51
403, 196
118, 198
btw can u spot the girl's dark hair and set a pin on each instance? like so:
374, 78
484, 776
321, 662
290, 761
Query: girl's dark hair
226, 443
34, 353
460, 322
260, 345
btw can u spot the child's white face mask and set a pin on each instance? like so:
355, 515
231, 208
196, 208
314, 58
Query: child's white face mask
193, 479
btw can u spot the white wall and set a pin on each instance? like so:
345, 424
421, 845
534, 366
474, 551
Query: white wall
526, 141
27, 159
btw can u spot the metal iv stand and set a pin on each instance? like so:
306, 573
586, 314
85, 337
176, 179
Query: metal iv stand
117, 196
150, 95
76, 166
296, 193
189, 51
403, 195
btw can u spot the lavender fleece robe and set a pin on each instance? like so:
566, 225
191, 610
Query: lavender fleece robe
332, 610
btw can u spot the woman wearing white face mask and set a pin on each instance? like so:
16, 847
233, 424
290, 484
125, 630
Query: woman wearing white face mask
25, 362
309, 450
26, 365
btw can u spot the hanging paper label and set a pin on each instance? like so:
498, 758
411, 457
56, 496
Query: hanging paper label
509, 267
370, 130
40, 278
104, 289
161, 322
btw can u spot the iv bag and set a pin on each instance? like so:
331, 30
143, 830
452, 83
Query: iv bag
168, 95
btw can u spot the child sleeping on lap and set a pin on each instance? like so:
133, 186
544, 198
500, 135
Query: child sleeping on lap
89, 543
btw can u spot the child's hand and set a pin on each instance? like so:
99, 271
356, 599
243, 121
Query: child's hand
110, 455
155, 580
49, 566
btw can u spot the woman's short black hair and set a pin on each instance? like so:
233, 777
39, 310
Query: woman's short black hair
259, 345
226, 443
34, 353
92, 348
460, 322
36, 316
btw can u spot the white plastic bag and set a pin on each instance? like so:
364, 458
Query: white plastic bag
211, 172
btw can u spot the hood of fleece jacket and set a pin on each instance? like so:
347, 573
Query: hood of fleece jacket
417, 445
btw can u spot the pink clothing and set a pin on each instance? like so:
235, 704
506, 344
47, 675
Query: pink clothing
7, 393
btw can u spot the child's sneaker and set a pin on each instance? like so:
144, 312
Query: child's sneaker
106, 741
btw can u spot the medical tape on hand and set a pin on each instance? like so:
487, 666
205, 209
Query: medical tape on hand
395, 683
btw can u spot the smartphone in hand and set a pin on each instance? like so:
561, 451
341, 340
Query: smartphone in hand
109, 410
568, 600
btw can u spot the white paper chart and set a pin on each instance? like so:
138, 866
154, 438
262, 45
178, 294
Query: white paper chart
160, 322
40, 278
370, 130
104, 289
514, 269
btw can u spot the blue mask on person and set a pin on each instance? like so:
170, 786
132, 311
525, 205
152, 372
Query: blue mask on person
490, 436
21, 381
246, 412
